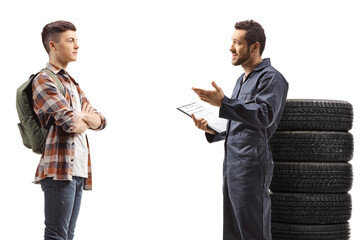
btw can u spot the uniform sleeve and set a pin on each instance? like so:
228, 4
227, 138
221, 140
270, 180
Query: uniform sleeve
49, 99
262, 110
215, 137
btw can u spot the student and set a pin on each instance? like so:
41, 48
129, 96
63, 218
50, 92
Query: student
253, 114
65, 168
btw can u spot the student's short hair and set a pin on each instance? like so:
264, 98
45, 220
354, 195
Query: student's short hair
254, 33
52, 31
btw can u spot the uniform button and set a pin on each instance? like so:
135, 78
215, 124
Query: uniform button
72, 160
73, 144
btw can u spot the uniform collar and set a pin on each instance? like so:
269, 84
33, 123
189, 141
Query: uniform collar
265, 63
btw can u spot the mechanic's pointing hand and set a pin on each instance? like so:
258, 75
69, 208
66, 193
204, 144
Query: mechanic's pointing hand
213, 97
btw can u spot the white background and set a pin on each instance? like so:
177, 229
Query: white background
155, 176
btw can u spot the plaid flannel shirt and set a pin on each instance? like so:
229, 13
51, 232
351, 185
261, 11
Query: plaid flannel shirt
59, 153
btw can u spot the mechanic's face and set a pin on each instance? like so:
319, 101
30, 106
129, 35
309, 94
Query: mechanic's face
239, 48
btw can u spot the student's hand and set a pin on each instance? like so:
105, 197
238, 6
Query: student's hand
202, 124
91, 118
87, 108
81, 115
81, 126
213, 97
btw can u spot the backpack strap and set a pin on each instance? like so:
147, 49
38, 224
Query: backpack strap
57, 81
62, 91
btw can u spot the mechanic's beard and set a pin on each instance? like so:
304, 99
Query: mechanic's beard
243, 59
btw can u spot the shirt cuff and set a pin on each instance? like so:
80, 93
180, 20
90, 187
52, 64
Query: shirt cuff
223, 109
103, 122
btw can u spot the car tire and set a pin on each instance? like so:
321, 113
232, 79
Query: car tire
316, 115
284, 231
312, 177
312, 146
312, 209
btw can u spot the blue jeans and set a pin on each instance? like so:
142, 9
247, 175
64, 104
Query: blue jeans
62, 205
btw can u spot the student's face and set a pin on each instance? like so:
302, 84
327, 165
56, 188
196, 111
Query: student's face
66, 48
239, 48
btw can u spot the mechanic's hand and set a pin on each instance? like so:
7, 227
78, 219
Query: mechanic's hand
202, 124
213, 97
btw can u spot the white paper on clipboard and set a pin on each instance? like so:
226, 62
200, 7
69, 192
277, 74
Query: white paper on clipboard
214, 122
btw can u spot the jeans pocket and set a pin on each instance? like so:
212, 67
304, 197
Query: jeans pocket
44, 183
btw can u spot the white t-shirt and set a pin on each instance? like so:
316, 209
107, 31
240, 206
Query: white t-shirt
80, 168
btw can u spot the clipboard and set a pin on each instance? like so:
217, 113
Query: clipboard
214, 122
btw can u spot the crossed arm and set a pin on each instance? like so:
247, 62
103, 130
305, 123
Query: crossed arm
48, 99
87, 118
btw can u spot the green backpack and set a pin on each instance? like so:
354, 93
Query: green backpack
33, 135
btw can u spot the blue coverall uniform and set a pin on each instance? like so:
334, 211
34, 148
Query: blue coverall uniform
253, 114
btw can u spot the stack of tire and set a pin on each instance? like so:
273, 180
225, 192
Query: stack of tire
309, 191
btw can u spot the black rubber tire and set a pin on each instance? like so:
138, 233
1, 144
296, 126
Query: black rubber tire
283, 231
316, 115
312, 146
312, 209
307, 177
